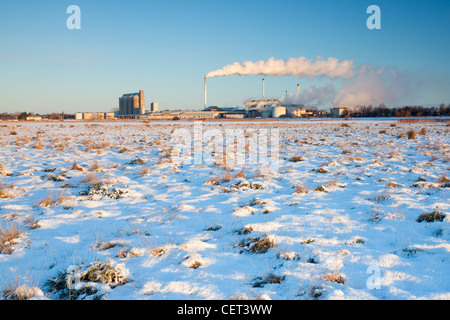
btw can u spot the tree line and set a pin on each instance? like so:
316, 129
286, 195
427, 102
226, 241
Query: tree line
405, 111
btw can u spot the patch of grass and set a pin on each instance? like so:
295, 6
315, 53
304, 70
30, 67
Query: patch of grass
135, 162
411, 134
8, 237
410, 252
19, 292
244, 230
80, 282
6, 192
271, 278
443, 179
52, 200
431, 217
301, 189
214, 227
105, 245
145, 171
76, 167
334, 277
320, 189
195, 265
32, 223
296, 159
256, 245
100, 189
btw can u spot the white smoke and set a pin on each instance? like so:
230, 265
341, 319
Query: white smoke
297, 67
320, 96
372, 86
363, 85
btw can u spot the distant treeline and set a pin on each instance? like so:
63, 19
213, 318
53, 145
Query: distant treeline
406, 111
359, 111
24, 115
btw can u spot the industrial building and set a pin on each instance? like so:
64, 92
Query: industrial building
132, 104
183, 115
94, 116
339, 112
154, 107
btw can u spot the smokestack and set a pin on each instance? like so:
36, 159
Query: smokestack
263, 88
205, 95
298, 88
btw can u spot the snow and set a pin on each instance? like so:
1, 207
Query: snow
173, 236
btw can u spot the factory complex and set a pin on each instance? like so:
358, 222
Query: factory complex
132, 106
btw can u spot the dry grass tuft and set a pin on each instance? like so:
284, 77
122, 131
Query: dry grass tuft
52, 200
5, 192
76, 167
13, 291
301, 189
334, 277
145, 171
8, 235
94, 166
431, 217
90, 178
442, 179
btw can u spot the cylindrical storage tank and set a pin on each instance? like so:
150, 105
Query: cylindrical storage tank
278, 111
121, 106
136, 108
129, 105
141, 102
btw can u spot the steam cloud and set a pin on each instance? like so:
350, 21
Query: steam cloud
297, 67
321, 95
362, 85
374, 86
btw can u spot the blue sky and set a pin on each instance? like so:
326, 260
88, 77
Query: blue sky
166, 48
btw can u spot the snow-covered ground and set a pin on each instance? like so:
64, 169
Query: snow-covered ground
100, 210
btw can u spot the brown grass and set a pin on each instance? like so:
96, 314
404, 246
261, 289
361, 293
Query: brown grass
76, 167
8, 235
442, 179
90, 178
94, 166
301, 189
144, 171
52, 200
334, 277
5, 192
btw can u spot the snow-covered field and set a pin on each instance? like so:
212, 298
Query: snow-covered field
355, 210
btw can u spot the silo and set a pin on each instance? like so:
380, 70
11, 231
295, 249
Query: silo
121, 106
129, 105
141, 102
278, 111
136, 107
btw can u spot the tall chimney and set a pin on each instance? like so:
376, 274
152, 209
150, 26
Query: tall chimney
205, 95
263, 88
298, 88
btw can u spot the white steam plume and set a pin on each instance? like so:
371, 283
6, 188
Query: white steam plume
297, 67
320, 96
372, 86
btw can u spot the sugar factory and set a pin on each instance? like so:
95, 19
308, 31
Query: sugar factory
132, 106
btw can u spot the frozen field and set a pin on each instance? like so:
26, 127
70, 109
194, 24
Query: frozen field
355, 210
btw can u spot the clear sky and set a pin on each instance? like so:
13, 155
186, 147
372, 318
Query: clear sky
166, 48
